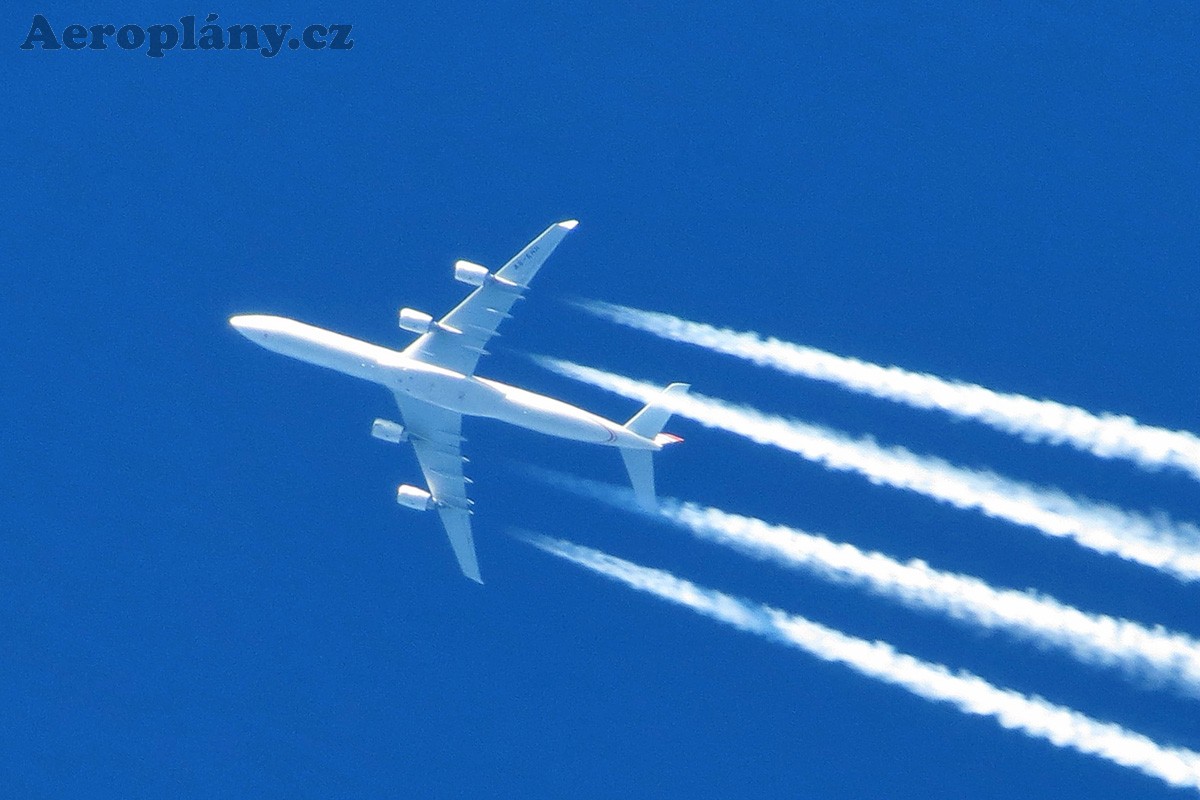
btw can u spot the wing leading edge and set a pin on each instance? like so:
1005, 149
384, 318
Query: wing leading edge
458, 342
436, 435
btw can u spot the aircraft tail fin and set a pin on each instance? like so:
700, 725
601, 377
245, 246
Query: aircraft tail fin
648, 423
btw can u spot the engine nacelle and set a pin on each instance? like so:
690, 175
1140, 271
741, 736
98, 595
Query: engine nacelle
415, 321
420, 322
470, 273
388, 431
414, 498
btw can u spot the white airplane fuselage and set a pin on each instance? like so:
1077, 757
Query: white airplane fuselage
467, 395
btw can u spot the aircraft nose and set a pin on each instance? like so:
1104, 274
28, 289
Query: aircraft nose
243, 321
255, 327
250, 323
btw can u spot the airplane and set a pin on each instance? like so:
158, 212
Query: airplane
435, 386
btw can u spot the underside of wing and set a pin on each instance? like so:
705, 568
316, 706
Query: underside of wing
458, 340
436, 436
458, 527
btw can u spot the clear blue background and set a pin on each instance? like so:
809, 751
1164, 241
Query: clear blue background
205, 587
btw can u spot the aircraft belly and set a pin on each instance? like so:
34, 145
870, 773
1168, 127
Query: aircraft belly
448, 390
553, 417
346, 361
317, 346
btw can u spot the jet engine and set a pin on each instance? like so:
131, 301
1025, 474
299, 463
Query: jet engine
415, 321
414, 498
419, 322
470, 273
388, 431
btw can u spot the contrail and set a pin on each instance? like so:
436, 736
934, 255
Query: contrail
1037, 718
1103, 435
1153, 654
1157, 542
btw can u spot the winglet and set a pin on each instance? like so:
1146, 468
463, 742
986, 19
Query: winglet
569, 224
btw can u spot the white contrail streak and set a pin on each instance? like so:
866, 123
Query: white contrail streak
1157, 542
1153, 654
1103, 435
1037, 718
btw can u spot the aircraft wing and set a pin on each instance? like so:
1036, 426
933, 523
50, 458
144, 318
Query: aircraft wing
458, 341
436, 436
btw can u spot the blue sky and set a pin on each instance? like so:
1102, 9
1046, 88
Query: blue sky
208, 590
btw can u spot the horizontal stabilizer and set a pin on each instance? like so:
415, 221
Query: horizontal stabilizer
649, 422
640, 466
